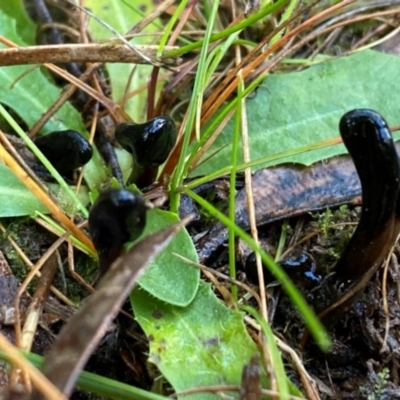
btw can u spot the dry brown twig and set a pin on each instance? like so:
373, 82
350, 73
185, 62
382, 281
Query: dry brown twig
110, 52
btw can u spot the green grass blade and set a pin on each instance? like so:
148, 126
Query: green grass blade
258, 161
229, 31
232, 187
276, 357
100, 385
194, 111
170, 25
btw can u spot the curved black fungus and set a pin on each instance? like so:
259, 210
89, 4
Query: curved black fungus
368, 139
117, 217
66, 150
149, 143
301, 268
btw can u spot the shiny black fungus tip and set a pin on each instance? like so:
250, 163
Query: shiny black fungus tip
301, 268
66, 150
149, 143
366, 134
117, 217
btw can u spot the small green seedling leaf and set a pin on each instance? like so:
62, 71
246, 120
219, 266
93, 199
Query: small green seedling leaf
296, 109
169, 278
203, 344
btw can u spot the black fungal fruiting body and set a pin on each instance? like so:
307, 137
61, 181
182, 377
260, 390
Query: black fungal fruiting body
150, 144
66, 150
117, 217
368, 139
301, 268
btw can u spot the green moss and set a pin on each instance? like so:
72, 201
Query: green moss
337, 228
34, 241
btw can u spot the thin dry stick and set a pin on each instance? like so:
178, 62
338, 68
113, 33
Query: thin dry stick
30, 265
58, 230
228, 388
251, 209
220, 275
86, 88
307, 381
347, 13
74, 274
181, 23
109, 104
131, 47
148, 19
143, 87
34, 311
253, 226
10, 147
26, 282
44, 198
385, 304
109, 52
224, 292
66, 93
366, 17
33, 318
254, 234
70, 31
38, 379
199, 155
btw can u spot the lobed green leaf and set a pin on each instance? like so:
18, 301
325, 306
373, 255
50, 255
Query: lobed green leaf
290, 110
203, 344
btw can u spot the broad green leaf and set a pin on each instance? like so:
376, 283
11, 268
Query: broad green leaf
17, 200
25, 27
30, 93
203, 344
295, 109
169, 278
122, 16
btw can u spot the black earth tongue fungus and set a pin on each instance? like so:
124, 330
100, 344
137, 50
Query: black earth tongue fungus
66, 150
368, 139
117, 217
150, 144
